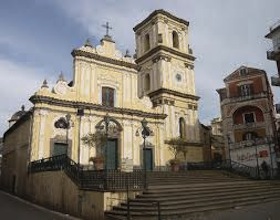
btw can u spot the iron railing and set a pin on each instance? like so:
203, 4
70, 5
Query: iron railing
241, 169
118, 180
90, 179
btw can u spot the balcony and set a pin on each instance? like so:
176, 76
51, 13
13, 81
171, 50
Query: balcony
251, 143
249, 125
275, 80
244, 98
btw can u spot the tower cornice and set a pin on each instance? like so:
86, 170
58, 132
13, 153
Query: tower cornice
163, 12
166, 49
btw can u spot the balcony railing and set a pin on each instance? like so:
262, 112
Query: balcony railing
250, 143
244, 98
274, 53
275, 80
249, 125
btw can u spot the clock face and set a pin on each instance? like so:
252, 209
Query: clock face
178, 77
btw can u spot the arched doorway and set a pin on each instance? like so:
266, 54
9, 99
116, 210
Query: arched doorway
110, 146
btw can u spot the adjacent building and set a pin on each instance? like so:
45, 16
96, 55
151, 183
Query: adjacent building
274, 52
248, 118
213, 141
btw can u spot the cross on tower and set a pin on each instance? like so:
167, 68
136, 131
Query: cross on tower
107, 28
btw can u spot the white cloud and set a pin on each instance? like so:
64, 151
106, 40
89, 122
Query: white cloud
223, 35
18, 83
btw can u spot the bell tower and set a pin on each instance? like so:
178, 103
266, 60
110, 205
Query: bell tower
166, 69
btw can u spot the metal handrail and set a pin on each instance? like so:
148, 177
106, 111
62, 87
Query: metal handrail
93, 179
241, 169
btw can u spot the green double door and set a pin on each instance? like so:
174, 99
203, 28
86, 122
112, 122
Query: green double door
59, 149
111, 158
148, 158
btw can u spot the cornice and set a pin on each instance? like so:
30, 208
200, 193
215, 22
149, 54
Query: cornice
166, 49
77, 52
163, 12
175, 93
73, 104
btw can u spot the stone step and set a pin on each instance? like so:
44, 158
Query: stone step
182, 212
197, 194
200, 191
205, 184
207, 187
188, 203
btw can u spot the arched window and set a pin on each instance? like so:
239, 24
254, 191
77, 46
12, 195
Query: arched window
182, 128
147, 42
147, 82
175, 39
108, 96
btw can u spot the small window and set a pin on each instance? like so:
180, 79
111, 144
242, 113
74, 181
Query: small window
182, 128
175, 39
245, 90
147, 42
147, 83
243, 71
249, 118
108, 98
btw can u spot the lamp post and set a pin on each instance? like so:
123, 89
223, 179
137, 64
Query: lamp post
68, 121
80, 113
270, 142
229, 153
145, 133
106, 121
257, 158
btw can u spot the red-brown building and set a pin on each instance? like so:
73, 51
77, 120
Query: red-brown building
248, 118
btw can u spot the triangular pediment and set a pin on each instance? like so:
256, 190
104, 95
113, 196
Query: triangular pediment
243, 71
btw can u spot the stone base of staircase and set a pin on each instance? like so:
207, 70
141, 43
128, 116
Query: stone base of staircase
183, 195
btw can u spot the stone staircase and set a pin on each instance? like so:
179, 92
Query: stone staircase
181, 195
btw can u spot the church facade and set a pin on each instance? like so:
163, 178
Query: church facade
112, 94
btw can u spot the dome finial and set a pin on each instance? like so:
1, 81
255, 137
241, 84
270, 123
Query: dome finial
88, 43
45, 84
127, 53
61, 77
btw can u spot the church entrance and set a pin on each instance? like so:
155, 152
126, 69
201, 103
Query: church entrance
112, 154
148, 155
59, 149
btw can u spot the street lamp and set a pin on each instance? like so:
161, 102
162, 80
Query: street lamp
68, 125
270, 141
146, 132
229, 155
107, 120
257, 158
80, 113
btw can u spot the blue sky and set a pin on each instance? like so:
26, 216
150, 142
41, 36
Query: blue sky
37, 37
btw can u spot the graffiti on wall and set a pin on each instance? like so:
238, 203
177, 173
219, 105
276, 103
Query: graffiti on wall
250, 156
